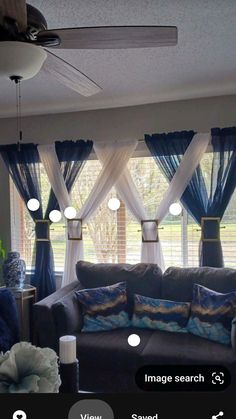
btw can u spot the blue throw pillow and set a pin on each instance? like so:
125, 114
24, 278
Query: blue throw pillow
104, 308
166, 315
212, 314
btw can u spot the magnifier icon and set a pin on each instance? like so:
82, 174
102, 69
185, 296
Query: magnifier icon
218, 378
217, 416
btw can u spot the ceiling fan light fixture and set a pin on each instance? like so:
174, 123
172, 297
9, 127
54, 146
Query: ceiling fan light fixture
20, 59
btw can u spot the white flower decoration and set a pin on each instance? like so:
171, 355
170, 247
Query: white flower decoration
28, 369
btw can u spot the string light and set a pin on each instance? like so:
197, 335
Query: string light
70, 213
175, 209
33, 204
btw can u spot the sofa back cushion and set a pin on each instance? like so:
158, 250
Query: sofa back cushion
177, 283
142, 278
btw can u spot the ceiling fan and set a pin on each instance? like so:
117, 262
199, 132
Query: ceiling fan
24, 33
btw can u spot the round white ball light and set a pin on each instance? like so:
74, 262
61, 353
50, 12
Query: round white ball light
33, 204
55, 216
114, 204
134, 340
175, 209
70, 213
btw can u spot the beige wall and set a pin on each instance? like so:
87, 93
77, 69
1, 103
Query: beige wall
113, 124
124, 123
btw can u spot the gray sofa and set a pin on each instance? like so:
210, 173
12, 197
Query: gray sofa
107, 362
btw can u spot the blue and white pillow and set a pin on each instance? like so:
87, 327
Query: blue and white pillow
151, 313
104, 308
212, 314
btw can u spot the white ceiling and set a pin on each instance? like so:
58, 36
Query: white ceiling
202, 64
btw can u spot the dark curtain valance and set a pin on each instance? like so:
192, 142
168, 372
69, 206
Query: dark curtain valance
223, 137
73, 150
173, 143
72, 156
66, 151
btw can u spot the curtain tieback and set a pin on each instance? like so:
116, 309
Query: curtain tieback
210, 227
149, 230
75, 229
42, 230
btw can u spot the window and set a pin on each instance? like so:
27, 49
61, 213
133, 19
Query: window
115, 236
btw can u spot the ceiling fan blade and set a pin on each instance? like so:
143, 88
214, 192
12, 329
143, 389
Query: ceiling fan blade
70, 76
15, 9
113, 37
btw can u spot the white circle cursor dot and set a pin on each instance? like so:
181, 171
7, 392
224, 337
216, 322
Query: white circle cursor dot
19, 414
134, 340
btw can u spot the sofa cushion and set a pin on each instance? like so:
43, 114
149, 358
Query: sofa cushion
184, 348
153, 313
212, 314
142, 278
177, 283
110, 350
104, 308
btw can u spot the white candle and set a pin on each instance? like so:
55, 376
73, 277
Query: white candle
67, 349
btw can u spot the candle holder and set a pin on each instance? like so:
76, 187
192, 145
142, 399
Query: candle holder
69, 374
69, 365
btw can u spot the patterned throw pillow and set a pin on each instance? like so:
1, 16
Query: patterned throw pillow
166, 315
212, 314
104, 308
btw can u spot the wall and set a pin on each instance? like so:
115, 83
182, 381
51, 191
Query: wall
125, 123
4, 211
111, 125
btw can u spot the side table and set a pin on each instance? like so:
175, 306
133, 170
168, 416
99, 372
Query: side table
25, 298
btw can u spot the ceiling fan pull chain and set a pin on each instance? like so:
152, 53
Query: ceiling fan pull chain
19, 113
17, 80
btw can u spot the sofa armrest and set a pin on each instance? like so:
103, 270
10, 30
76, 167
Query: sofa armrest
68, 317
233, 334
43, 319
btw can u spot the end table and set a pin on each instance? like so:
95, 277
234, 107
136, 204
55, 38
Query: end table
25, 298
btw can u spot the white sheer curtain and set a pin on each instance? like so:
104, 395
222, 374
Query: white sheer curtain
190, 161
116, 157
152, 252
49, 159
183, 175
128, 193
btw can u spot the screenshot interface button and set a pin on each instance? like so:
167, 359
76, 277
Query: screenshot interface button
19, 414
220, 414
91, 409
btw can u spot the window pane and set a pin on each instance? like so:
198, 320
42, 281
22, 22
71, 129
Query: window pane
115, 236
109, 236
152, 185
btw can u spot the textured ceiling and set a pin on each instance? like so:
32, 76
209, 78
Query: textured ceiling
202, 64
